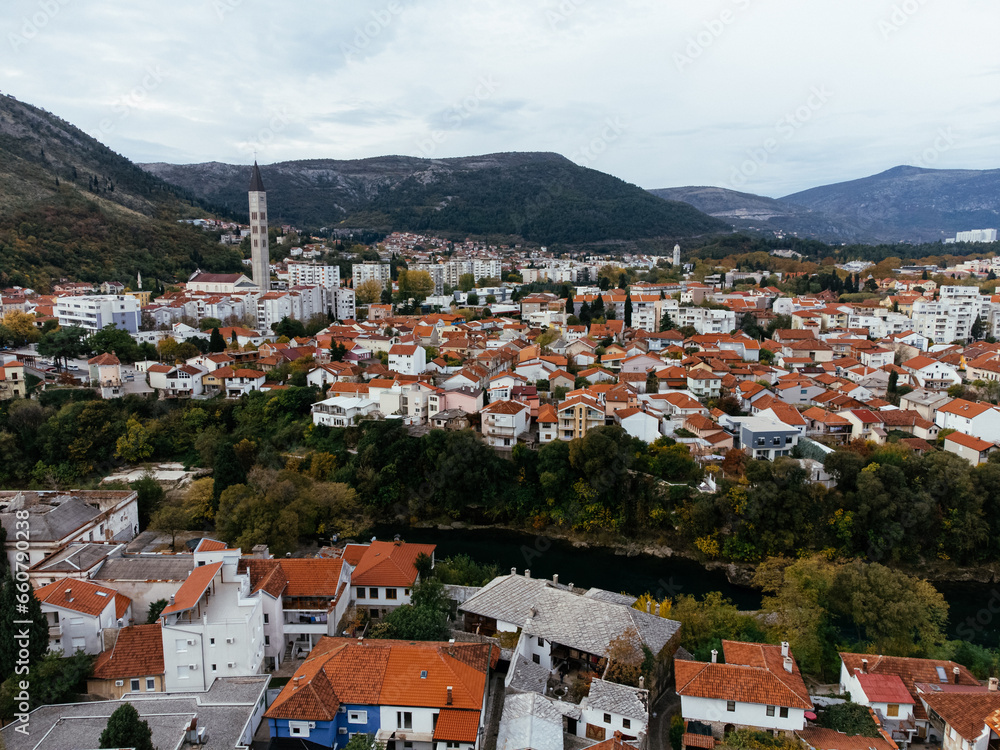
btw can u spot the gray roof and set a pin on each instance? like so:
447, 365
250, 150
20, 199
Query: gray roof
51, 523
76, 557
530, 721
569, 618
256, 183
224, 711
146, 568
626, 701
528, 677
610, 596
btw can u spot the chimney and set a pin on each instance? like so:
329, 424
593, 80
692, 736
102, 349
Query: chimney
715, 656
527, 573
784, 649
994, 684
571, 587
657, 610
69, 595
788, 664
513, 571
864, 666
449, 695
956, 671
555, 578
649, 607
642, 682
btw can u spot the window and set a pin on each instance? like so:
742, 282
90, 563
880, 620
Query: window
776, 441
626, 723
357, 717
730, 705
134, 685
150, 684
298, 728
181, 645
783, 712
373, 592
215, 668
182, 671
211, 641
761, 441
267, 640
892, 709
607, 718
536, 658
265, 618
404, 720
406, 592
390, 593
770, 710
541, 642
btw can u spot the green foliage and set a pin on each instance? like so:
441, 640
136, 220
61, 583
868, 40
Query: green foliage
705, 623
150, 495
12, 595
289, 327
53, 678
850, 718
362, 741
114, 340
750, 739
425, 619
462, 570
126, 729
155, 608
62, 343
216, 343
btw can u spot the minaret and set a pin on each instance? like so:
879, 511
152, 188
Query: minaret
138, 280
677, 255
259, 252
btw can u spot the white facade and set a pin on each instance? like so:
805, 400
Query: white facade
221, 635
313, 274
704, 320
94, 312
260, 252
362, 272
710, 710
407, 359
341, 411
344, 306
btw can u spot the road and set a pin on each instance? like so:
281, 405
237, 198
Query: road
135, 382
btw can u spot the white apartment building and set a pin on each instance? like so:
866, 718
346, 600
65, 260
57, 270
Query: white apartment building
977, 235
407, 359
341, 411
213, 626
94, 312
362, 272
344, 305
300, 303
704, 320
480, 268
313, 274
437, 273
947, 319
78, 612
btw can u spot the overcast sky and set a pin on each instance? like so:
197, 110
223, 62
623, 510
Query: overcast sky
767, 96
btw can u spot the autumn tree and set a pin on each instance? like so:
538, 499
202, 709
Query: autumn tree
20, 328
368, 292
415, 284
134, 446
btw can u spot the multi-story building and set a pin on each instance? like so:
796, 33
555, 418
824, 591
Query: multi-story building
344, 304
436, 271
407, 359
313, 274
414, 695
260, 252
133, 664
214, 625
79, 611
362, 272
300, 303
12, 383
504, 422
94, 312
705, 320
384, 573
578, 415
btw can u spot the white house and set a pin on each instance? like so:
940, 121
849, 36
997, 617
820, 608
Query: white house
977, 419
214, 625
78, 612
503, 422
759, 687
341, 411
638, 424
185, 381
930, 373
407, 359
106, 371
384, 573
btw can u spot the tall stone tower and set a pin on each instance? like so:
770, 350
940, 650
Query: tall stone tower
260, 253
677, 255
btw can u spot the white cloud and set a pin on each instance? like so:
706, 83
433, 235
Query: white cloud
697, 88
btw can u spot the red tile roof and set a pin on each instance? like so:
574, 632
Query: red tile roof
457, 726
318, 577
389, 564
967, 441
138, 652
966, 713
190, 592
830, 739
753, 673
883, 688
85, 597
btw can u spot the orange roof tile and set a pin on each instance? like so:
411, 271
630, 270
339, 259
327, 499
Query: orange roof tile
457, 726
84, 596
190, 592
753, 673
389, 564
138, 652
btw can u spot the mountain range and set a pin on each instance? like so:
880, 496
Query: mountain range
540, 197
903, 204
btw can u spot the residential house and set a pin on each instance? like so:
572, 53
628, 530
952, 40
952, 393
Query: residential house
384, 573
966, 720
133, 664
578, 415
214, 626
972, 449
638, 424
763, 438
548, 424
758, 687
57, 518
925, 403
78, 612
185, 381
403, 694
980, 420
503, 422
825, 425
106, 372
704, 384
12, 383
342, 411
931, 373
407, 359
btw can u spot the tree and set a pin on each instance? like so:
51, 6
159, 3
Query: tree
227, 471
150, 495
62, 344
216, 343
289, 327
154, 611
628, 310
126, 729
112, 339
386, 297
134, 446
362, 741
337, 352
415, 284
666, 322
171, 518
20, 328
652, 382
207, 324
369, 292
14, 597
466, 282
625, 659
977, 331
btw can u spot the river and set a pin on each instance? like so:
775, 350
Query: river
974, 608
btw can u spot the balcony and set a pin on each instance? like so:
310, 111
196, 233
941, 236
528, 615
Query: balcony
55, 631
